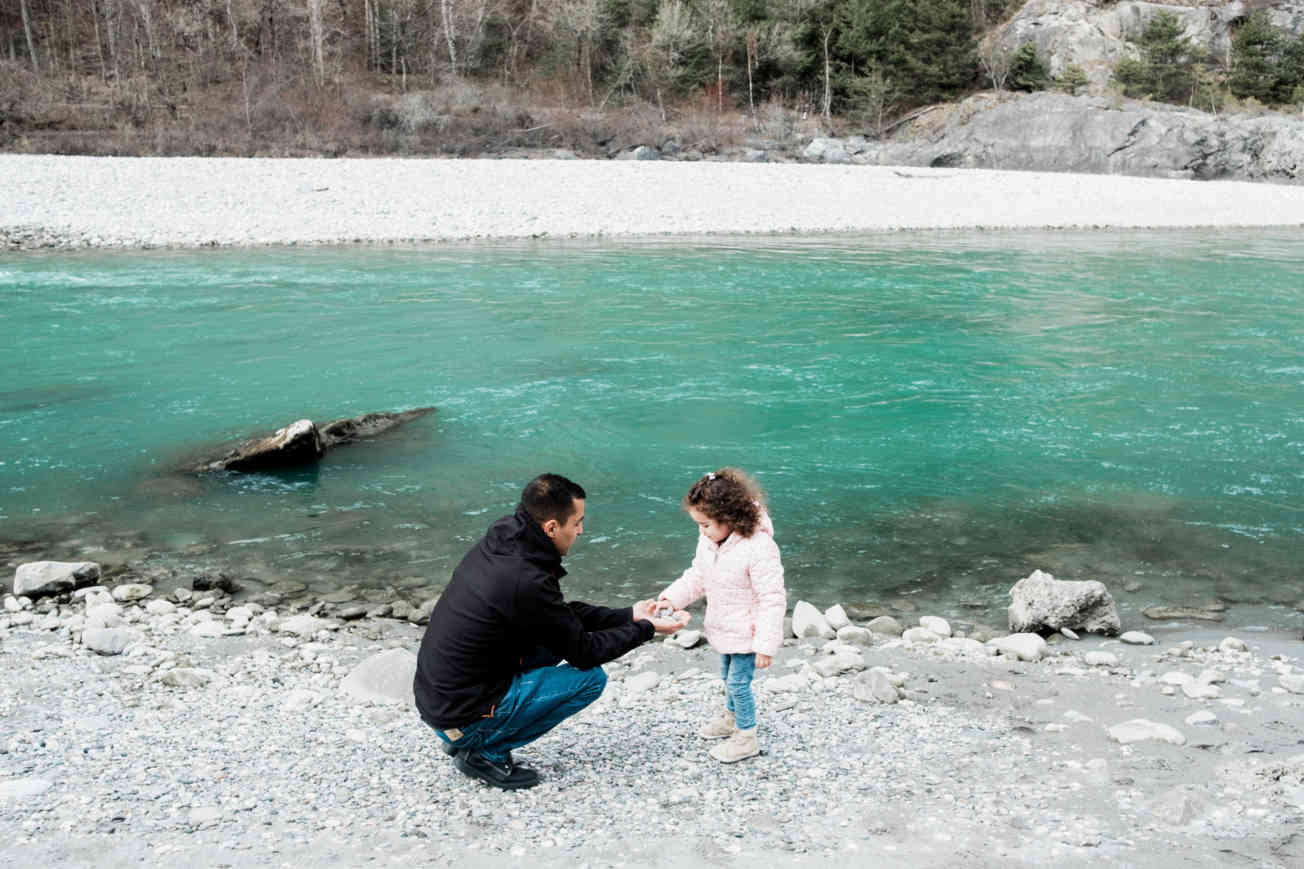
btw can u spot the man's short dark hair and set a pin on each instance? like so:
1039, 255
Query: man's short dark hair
551, 496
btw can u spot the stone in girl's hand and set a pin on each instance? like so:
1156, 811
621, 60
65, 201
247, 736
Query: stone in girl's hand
664, 611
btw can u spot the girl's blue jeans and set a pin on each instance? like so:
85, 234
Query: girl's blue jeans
537, 701
737, 672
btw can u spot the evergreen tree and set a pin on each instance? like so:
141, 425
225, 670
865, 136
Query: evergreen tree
1167, 56
1256, 58
1028, 72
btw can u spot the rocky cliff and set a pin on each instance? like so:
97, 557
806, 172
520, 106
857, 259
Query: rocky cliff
1060, 133
1096, 34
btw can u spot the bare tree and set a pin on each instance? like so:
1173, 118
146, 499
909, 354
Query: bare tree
722, 31
996, 61
317, 38
27, 31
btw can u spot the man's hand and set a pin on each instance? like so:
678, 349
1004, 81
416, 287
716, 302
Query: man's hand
763, 661
645, 609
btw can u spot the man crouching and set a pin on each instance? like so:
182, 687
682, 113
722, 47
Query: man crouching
489, 674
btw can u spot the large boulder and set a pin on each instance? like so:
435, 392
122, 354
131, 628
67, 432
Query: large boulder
42, 578
1040, 602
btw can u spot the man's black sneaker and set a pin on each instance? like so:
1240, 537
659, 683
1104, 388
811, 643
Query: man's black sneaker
449, 749
506, 775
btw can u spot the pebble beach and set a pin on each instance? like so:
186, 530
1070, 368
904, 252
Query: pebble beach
170, 727
74, 202
162, 724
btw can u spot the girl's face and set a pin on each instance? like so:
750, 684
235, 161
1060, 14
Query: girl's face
715, 530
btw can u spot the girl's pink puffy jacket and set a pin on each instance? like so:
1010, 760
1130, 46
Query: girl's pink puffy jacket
742, 579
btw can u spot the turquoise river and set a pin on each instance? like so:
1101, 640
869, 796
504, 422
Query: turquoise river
933, 415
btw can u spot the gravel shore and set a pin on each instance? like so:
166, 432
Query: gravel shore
54, 201
207, 733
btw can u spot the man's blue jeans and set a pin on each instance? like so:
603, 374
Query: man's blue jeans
737, 672
537, 701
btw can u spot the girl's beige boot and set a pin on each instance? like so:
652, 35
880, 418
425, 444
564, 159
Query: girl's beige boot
718, 728
740, 746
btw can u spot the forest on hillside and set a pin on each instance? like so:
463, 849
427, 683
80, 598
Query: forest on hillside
465, 76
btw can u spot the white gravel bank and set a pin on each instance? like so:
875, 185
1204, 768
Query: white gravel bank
229, 740
185, 202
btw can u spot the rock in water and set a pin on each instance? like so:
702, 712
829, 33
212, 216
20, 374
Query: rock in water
345, 431
1178, 613
41, 578
1040, 602
383, 678
299, 443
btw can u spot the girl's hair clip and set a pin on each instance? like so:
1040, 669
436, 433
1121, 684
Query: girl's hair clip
710, 476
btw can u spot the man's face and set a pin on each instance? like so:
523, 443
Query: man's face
563, 534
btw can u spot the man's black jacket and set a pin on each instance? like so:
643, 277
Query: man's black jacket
504, 602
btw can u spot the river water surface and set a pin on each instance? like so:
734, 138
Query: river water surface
932, 415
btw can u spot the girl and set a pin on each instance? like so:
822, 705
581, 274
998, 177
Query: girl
737, 567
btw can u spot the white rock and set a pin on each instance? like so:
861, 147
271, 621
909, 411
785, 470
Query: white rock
301, 625
1137, 638
204, 815
809, 622
1233, 644
843, 661
1176, 678
641, 683
240, 614
885, 625
23, 788
132, 591
1212, 677
385, 677
1292, 682
1068, 632
919, 635
1201, 691
875, 686
686, 639
109, 641
160, 607
936, 624
186, 677
1101, 659
856, 636
1077, 717
209, 629
836, 616
1026, 647
300, 699
104, 615
11, 604
1203, 718
780, 684
1140, 730
1039, 601
21, 618
39, 578
964, 646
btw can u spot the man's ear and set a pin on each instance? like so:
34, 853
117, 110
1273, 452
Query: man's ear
550, 527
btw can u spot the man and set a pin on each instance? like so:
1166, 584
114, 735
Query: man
488, 677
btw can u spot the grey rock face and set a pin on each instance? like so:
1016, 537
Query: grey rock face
1054, 132
41, 578
1039, 602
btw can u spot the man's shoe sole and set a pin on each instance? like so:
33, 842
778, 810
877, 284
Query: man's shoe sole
464, 766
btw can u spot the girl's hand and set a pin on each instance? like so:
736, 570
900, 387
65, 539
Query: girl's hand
763, 661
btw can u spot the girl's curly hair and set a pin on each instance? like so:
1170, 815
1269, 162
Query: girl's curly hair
729, 496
